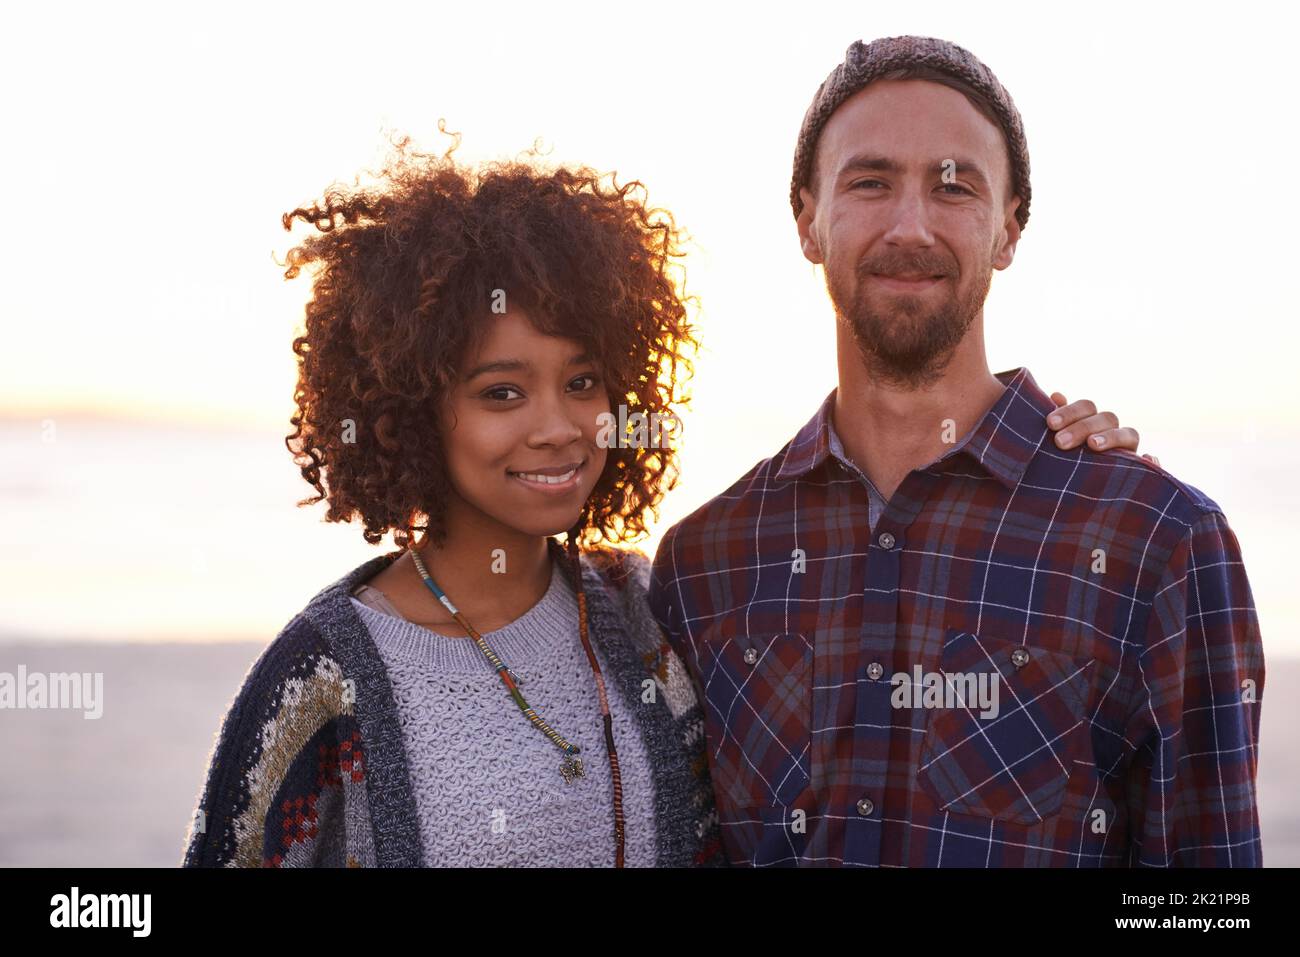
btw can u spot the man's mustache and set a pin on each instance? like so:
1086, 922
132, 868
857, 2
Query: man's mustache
912, 265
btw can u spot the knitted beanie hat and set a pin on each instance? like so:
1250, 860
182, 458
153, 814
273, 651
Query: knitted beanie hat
864, 62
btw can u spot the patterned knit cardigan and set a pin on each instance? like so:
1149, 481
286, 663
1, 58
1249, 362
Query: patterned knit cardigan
309, 768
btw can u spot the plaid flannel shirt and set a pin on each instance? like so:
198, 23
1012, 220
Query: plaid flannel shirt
1104, 599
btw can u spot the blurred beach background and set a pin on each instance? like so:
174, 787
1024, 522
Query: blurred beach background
148, 529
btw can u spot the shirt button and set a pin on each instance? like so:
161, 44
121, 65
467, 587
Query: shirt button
751, 656
1020, 657
865, 807
875, 670
886, 541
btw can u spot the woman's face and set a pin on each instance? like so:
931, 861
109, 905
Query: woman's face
520, 427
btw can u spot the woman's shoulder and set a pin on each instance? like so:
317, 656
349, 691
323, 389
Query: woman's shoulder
625, 574
298, 679
621, 568
293, 687
300, 695
300, 649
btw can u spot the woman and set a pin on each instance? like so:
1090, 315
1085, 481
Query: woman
482, 695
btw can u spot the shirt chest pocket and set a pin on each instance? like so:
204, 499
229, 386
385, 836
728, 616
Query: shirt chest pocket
1007, 747
758, 713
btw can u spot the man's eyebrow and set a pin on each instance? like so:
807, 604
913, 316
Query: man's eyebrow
964, 167
518, 365
872, 162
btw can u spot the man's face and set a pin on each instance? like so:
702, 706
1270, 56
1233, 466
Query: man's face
912, 214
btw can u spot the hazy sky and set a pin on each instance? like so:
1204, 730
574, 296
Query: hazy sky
151, 150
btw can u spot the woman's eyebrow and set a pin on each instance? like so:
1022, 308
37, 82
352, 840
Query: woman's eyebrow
518, 365
498, 365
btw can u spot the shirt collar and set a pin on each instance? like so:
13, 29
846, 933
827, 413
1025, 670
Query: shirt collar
1002, 443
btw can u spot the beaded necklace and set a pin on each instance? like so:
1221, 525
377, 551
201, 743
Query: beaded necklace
571, 766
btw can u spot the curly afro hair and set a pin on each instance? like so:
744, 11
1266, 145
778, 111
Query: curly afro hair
401, 272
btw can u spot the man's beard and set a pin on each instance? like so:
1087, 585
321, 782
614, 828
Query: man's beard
907, 340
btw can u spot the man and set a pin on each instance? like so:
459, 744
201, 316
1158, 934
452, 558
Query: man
925, 634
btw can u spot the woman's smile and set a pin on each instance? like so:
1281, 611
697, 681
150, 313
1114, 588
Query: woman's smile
552, 480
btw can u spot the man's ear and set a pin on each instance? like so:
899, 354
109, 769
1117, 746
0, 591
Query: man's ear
1006, 250
812, 250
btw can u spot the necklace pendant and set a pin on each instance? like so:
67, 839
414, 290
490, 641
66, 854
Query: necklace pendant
571, 768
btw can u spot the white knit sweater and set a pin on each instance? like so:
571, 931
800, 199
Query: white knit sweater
487, 783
